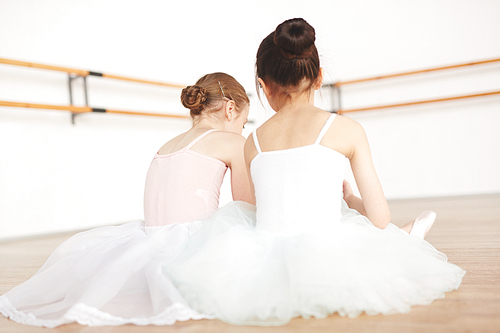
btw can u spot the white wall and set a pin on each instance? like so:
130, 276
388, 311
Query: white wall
56, 176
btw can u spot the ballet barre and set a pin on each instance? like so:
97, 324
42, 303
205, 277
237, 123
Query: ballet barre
85, 109
84, 73
387, 106
74, 74
336, 87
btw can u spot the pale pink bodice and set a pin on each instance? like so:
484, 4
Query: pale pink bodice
182, 186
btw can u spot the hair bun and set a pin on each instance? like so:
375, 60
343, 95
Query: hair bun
295, 38
193, 98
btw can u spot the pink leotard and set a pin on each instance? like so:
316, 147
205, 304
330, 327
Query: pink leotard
182, 186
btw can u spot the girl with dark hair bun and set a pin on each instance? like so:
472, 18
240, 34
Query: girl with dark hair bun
112, 275
307, 254
287, 59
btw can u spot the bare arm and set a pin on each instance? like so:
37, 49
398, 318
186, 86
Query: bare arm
240, 183
372, 203
250, 153
353, 201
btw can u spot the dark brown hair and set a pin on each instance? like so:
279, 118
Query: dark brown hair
209, 91
288, 56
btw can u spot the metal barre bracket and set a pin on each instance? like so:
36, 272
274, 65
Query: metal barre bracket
336, 96
95, 73
71, 78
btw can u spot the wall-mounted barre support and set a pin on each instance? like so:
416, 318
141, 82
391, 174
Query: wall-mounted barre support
74, 74
336, 98
71, 78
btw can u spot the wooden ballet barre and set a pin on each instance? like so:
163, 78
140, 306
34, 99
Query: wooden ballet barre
85, 109
418, 102
343, 83
85, 73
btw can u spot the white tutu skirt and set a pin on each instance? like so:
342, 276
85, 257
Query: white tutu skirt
105, 276
241, 275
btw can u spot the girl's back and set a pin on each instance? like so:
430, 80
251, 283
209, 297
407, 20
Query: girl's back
182, 186
298, 188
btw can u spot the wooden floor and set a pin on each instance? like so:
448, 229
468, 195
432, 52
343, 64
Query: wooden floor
467, 230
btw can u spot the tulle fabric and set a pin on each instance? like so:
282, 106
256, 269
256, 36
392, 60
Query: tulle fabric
112, 275
105, 276
240, 275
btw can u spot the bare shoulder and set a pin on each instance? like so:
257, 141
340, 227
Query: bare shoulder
348, 123
229, 139
226, 146
345, 136
225, 143
172, 145
347, 127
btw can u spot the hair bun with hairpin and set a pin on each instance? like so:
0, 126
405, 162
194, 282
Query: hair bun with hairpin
295, 38
193, 98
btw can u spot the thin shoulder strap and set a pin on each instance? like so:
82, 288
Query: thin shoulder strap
256, 141
325, 128
199, 138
